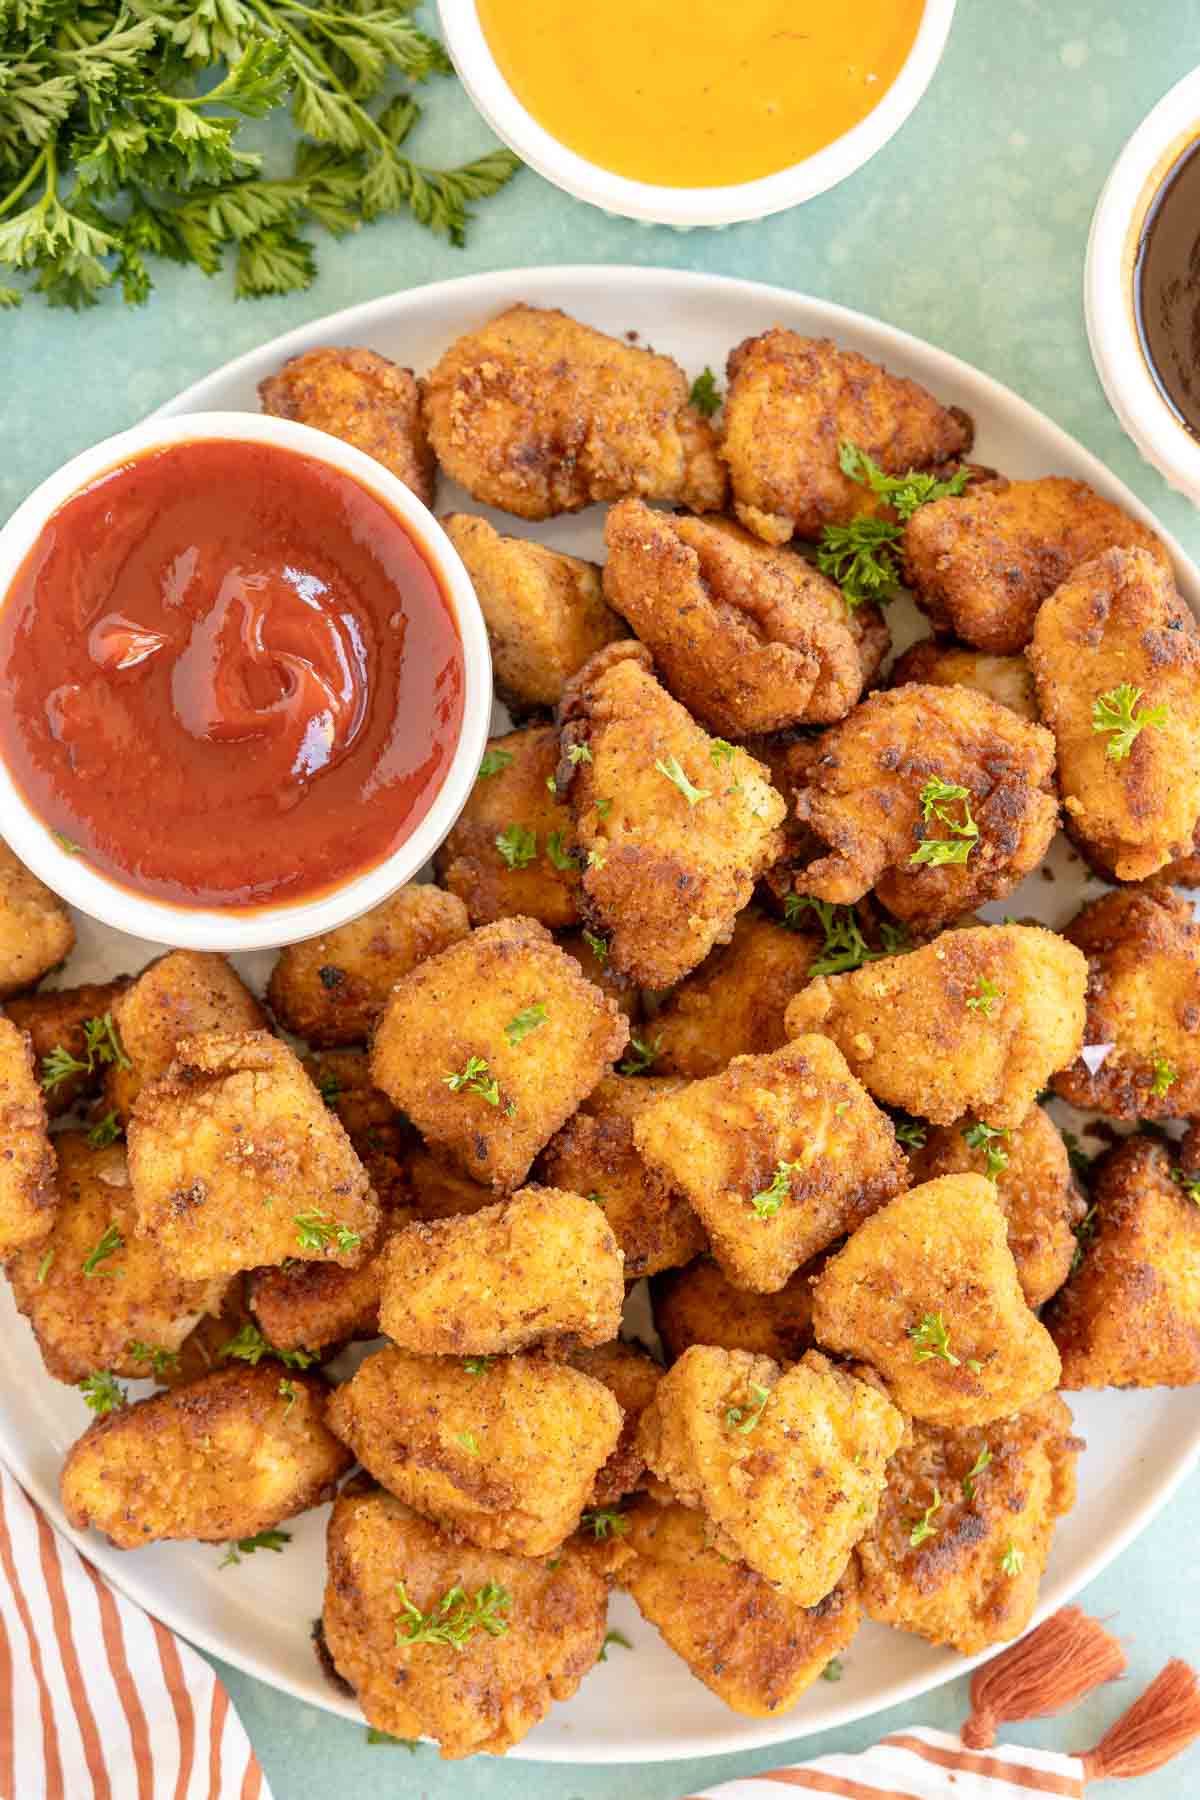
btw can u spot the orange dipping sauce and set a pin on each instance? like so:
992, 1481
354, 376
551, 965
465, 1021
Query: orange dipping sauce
699, 93
231, 676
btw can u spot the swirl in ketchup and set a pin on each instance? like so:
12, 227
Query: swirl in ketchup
232, 676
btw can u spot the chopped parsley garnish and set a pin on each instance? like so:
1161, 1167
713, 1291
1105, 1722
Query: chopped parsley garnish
110, 1242
315, 1230
768, 1200
1013, 1561
924, 1527
375, 1736
1189, 1183
745, 1417
931, 1338
477, 1365
160, 1360
1118, 712
597, 1199
596, 859
861, 558
527, 1020
597, 945
936, 797
977, 1467
102, 1046
262, 1540
910, 1132
1084, 1232
250, 1346
845, 946
493, 762
102, 1392
640, 1056
517, 845
603, 1522
455, 1618
833, 1670
671, 769
579, 753
987, 1138
603, 808
1165, 1077
105, 1131
44, 1267
705, 395
287, 1393
1078, 1158
720, 751
985, 996
551, 785
469, 1442
329, 1087
903, 493
613, 1637
475, 1078
562, 859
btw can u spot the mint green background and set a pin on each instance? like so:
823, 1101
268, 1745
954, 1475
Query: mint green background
968, 229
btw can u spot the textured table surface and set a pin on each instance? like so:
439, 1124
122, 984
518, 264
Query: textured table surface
968, 229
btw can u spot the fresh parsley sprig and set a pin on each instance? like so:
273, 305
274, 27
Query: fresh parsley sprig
903, 493
937, 796
845, 946
455, 1618
1118, 712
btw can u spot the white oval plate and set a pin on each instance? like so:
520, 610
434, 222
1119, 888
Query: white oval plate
642, 1705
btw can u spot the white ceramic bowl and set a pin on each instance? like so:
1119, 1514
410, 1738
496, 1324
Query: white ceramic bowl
1117, 225
685, 207
214, 928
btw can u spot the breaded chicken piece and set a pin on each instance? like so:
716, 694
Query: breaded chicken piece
594, 1154
502, 1454
700, 1305
787, 1467
540, 1268
1141, 1044
1115, 642
343, 1080
753, 1646
957, 1549
99, 1295
483, 1689
237, 1162
909, 1034
676, 826
779, 1155
440, 1191
590, 951
365, 400
1184, 871
55, 1017
889, 780
544, 610
980, 565
28, 1195
792, 402
538, 414
1034, 1188
733, 1005
509, 852
178, 995
36, 933
632, 1377
747, 638
932, 663
228, 1456
1130, 1316
319, 1305
490, 1047
927, 1291
332, 989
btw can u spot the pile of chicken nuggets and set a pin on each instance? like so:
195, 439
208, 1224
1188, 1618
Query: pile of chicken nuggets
699, 995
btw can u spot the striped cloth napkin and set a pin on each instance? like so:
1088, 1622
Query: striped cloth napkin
918, 1765
98, 1701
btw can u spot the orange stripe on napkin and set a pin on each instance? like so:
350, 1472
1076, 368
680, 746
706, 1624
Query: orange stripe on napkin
993, 1768
817, 1782
168, 1656
60, 1612
53, 1762
118, 1662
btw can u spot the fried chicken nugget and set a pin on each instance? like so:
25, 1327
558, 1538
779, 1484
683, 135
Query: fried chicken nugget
228, 1456
981, 564
36, 933
365, 400
594, 1154
516, 1634
779, 1155
538, 414
1034, 1188
748, 638
591, 953
491, 1046
502, 1454
540, 1268
753, 1646
99, 1295
332, 989
440, 1190
889, 780
733, 1005
178, 995
632, 1377
28, 1195
787, 1467
236, 1162
957, 1549
700, 1305
676, 826
317, 1305
1141, 1044
508, 854
907, 1030
927, 1291
792, 402
544, 610
1114, 644
932, 663
1130, 1315
55, 1018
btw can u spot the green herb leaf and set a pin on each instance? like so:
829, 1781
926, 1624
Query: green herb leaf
250, 1346
262, 1540
903, 493
1189, 1183
105, 1131
768, 1201
613, 1637
1118, 712
493, 762
44, 1267
1013, 1561
719, 751
912, 1133
924, 1527
110, 1242
527, 1020
579, 753
517, 845
455, 1618
1165, 1077
985, 996
287, 1392
930, 1339
375, 1736
478, 1365
640, 1056
102, 1393
671, 769
705, 395
315, 1230
977, 1467
469, 1442
596, 944
745, 1417
833, 1670
936, 796
861, 558
603, 1522
160, 1360
562, 859
475, 1078
987, 1138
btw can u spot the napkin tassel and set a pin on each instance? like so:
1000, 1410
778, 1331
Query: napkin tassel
1052, 1668
1160, 1723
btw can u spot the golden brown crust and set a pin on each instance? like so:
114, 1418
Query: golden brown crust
591, 953
757, 1650
734, 1003
28, 1195
228, 1456
791, 403
36, 933
1118, 620
365, 400
174, 997
861, 793
907, 1032
933, 663
56, 1016
936, 1263
539, 415
700, 1305
632, 1377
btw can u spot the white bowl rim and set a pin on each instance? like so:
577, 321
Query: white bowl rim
685, 207
216, 928
1133, 393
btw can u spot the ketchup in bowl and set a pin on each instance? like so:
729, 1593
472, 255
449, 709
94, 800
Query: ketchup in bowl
232, 676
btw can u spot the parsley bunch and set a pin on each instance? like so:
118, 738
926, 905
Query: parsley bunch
119, 138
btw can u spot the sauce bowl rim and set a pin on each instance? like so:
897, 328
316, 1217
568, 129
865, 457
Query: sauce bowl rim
684, 208
270, 925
